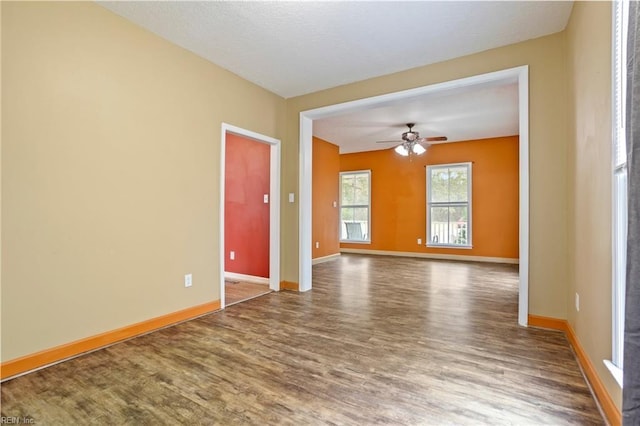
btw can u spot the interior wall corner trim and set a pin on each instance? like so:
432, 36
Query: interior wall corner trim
614, 416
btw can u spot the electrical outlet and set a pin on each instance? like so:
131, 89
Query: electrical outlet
232, 255
187, 280
335, 204
266, 198
577, 302
419, 241
317, 244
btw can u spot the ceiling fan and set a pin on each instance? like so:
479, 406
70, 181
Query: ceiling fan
410, 143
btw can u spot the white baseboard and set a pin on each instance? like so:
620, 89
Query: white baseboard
434, 256
325, 258
246, 278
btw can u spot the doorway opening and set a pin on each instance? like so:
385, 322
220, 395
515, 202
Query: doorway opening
249, 243
518, 74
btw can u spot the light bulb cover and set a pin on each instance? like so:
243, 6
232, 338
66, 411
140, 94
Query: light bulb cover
418, 149
402, 150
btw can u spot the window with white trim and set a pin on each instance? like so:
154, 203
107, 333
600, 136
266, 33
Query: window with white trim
449, 205
621, 9
355, 206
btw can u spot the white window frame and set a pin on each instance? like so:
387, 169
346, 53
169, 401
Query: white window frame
367, 232
619, 187
467, 204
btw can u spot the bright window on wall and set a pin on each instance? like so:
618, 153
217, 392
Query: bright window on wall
449, 205
621, 9
355, 203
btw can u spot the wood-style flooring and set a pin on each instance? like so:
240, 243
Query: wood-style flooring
378, 340
240, 291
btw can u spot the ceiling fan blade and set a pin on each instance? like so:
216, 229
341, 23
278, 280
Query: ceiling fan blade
435, 139
389, 141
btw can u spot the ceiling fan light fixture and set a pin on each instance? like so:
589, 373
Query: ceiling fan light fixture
410, 136
411, 142
402, 150
418, 149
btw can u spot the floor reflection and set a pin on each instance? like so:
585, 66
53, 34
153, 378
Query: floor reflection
450, 297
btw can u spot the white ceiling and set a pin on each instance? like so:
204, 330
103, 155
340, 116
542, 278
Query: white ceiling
477, 112
297, 47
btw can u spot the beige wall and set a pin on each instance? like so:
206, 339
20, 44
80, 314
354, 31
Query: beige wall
590, 179
110, 172
546, 58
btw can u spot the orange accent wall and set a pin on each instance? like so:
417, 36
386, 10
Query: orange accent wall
246, 214
398, 196
325, 190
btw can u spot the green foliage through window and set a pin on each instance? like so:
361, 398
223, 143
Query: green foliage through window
448, 199
355, 189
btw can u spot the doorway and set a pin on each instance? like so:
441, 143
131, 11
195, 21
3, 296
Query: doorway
518, 74
249, 254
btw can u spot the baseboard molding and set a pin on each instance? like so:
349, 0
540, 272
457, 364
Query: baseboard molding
437, 256
323, 259
47, 357
602, 396
246, 278
288, 285
547, 322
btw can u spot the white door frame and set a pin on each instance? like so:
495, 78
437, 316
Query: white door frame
274, 204
518, 74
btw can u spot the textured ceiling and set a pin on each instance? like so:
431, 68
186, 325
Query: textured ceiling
294, 48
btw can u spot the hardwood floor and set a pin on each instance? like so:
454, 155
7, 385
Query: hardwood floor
378, 340
240, 291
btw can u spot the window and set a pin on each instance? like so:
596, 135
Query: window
355, 201
449, 205
621, 10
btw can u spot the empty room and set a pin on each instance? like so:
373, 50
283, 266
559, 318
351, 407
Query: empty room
430, 203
